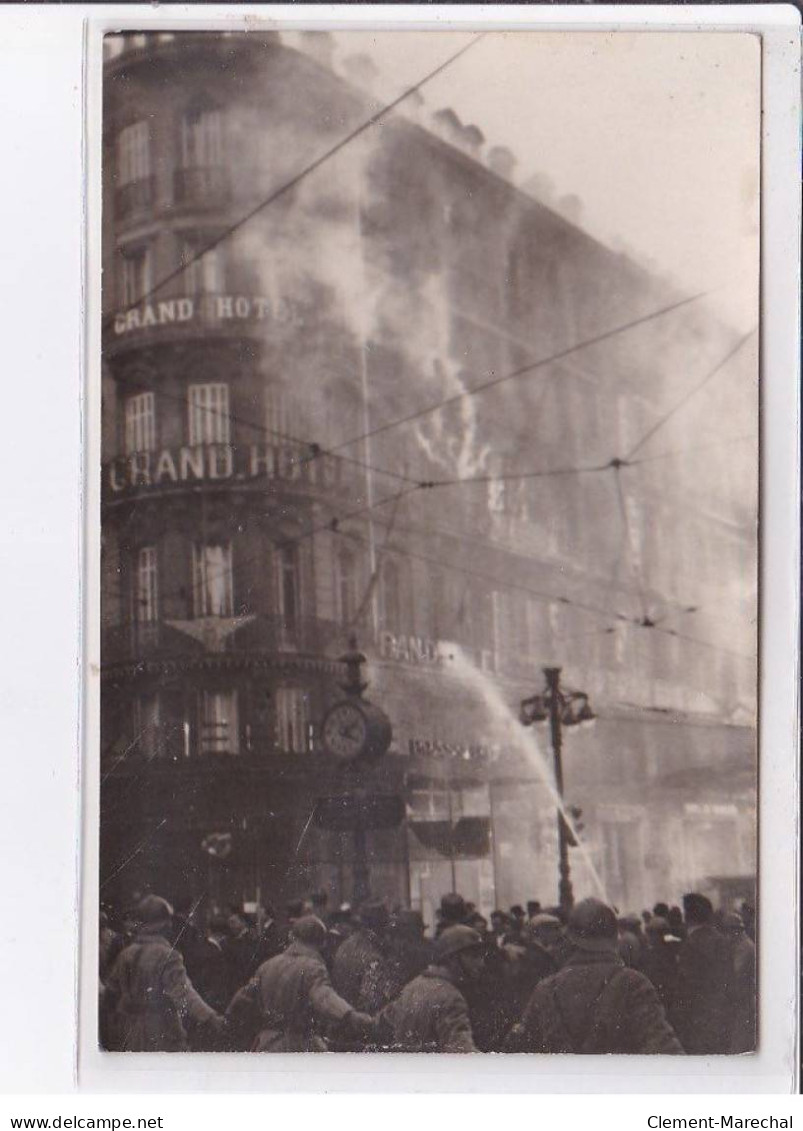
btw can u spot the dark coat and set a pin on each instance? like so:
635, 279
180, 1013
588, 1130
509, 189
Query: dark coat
242, 953
594, 1004
743, 997
362, 973
290, 1002
494, 999
430, 1015
701, 1010
659, 963
149, 1000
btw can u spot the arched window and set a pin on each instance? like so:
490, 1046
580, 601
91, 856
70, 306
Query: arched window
345, 586
391, 598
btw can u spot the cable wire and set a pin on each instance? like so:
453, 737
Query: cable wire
296, 179
684, 400
523, 370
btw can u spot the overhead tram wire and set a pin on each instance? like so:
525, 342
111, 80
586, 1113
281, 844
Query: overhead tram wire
684, 400
628, 542
275, 433
691, 450
416, 485
335, 526
522, 371
552, 598
312, 167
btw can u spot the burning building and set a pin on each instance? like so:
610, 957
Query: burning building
296, 453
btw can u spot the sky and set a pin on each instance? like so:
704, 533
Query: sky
656, 133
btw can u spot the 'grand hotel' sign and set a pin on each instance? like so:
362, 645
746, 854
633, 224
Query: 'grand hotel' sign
222, 463
211, 310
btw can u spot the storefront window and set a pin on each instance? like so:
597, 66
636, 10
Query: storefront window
147, 726
293, 720
219, 726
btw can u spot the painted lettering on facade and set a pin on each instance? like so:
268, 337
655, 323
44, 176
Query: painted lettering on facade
410, 649
435, 748
209, 309
210, 462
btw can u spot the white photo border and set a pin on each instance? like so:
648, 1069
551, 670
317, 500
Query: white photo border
773, 1067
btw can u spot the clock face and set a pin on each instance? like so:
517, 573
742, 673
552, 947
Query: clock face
345, 732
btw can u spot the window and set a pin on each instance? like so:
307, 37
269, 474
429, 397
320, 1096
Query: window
288, 591
293, 728
219, 727
391, 598
146, 597
209, 414
345, 586
202, 138
133, 154
135, 276
281, 414
140, 424
203, 275
212, 580
147, 726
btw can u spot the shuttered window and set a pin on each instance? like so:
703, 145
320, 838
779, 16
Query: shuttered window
219, 723
212, 588
146, 595
209, 421
140, 423
133, 154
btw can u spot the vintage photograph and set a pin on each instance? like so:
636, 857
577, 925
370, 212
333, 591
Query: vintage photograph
429, 542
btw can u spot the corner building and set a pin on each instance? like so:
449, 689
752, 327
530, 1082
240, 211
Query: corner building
249, 530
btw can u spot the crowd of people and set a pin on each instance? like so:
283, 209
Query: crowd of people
374, 979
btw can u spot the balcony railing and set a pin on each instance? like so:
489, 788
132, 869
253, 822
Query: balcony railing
204, 186
134, 198
189, 639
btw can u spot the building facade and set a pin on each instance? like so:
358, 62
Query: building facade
262, 505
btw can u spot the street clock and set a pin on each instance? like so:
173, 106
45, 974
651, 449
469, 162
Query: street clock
356, 729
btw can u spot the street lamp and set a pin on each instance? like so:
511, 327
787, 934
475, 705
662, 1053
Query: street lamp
562, 709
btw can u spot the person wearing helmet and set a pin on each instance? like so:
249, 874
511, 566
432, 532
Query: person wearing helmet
431, 1013
594, 1004
361, 967
701, 1011
290, 1003
148, 1000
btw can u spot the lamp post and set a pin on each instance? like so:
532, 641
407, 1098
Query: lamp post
561, 708
357, 733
